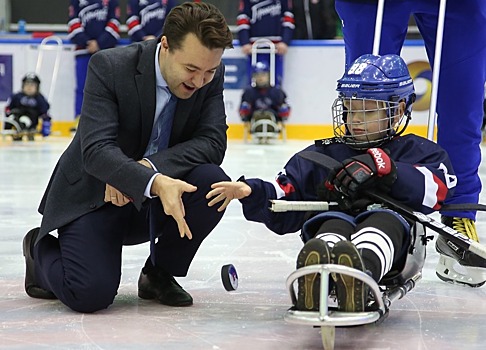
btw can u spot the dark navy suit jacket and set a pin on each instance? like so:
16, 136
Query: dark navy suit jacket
114, 130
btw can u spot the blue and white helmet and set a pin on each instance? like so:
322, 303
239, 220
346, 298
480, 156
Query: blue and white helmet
260, 76
375, 101
260, 67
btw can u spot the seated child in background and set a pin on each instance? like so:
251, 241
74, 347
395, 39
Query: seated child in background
26, 107
370, 115
262, 96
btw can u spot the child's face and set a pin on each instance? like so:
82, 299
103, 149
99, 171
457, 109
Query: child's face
367, 120
29, 89
262, 79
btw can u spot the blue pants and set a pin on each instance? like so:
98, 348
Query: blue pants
81, 71
462, 71
83, 266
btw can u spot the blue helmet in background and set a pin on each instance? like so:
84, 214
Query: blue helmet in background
261, 67
260, 76
384, 79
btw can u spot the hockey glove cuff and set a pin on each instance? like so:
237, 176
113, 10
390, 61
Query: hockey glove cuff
373, 169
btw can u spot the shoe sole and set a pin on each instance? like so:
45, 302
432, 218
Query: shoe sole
350, 291
314, 252
29, 265
152, 296
31, 289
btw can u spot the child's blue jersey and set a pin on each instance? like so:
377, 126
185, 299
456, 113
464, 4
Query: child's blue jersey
271, 98
425, 178
36, 106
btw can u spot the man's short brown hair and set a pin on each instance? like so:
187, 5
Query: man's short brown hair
201, 19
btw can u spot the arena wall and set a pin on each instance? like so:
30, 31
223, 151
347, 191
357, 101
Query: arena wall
311, 69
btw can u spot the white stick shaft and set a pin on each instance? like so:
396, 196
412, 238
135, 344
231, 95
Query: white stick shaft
436, 70
378, 25
279, 206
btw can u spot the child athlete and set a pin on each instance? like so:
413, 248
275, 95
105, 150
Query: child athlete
369, 117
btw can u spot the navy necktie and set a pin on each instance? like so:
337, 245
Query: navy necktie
159, 140
163, 126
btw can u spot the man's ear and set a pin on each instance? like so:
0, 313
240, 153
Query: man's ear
164, 43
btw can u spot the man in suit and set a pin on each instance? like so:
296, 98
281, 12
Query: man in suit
124, 180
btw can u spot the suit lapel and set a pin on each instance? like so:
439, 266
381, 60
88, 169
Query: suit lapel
145, 82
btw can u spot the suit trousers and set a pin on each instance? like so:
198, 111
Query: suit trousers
82, 267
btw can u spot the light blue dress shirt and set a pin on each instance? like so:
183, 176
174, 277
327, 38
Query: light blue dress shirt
162, 97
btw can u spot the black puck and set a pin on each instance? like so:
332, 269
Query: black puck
229, 277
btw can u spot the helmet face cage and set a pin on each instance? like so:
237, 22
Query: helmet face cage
364, 123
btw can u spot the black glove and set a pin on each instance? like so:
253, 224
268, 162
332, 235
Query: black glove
374, 169
345, 204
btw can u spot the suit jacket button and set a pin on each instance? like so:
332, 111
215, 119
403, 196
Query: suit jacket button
92, 206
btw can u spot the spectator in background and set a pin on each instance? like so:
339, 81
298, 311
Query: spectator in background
145, 18
270, 19
93, 25
315, 19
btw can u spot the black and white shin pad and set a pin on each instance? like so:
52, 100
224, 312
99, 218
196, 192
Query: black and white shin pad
376, 249
380, 239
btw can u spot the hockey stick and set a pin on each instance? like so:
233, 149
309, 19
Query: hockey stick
457, 238
378, 24
435, 72
463, 207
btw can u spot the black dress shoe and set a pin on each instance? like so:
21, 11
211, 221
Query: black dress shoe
155, 283
31, 287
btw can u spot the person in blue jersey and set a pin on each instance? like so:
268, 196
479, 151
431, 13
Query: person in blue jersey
314, 19
370, 116
145, 18
483, 127
261, 96
93, 25
269, 19
26, 107
459, 100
